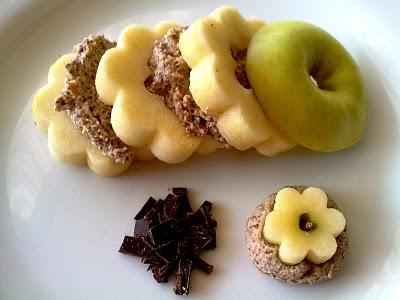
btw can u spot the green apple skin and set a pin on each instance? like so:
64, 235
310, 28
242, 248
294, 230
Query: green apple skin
280, 60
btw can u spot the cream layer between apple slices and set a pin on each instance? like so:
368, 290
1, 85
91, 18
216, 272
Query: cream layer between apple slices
81, 102
170, 78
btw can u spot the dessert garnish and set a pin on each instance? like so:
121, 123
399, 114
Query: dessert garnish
297, 236
169, 237
303, 226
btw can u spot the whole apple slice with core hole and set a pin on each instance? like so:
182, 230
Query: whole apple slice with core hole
308, 85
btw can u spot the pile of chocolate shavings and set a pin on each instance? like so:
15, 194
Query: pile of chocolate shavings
169, 236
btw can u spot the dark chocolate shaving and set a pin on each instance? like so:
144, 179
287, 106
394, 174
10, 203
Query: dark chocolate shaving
162, 274
179, 191
183, 248
151, 218
146, 208
168, 236
197, 231
165, 231
200, 264
202, 243
168, 251
185, 208
134, 245
141, 228
182, 284
171, 207
213, 243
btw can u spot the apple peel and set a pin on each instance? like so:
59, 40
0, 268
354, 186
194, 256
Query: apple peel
308, 84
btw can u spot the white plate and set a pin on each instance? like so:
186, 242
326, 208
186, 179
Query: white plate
61, 227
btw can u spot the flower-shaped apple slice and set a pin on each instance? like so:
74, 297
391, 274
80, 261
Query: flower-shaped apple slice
206, 46
140, 118
66, 143
303, 226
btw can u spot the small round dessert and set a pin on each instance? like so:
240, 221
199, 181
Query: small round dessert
297, 236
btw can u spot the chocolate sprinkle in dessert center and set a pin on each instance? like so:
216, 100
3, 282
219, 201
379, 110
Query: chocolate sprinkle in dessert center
170, 78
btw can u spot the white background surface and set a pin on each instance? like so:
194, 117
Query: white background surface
61, 227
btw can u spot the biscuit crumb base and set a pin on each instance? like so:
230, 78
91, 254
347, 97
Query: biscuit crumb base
265, 255
81, 102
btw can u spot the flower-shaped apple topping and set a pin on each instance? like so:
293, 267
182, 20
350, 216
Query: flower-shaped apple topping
139, 117
66, 143
303, 226
210, 46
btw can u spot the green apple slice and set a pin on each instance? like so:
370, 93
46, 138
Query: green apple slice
284, 61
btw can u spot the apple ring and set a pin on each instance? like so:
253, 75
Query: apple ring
324, 114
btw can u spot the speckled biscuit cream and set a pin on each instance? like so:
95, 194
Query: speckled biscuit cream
80, 100
206, 46
139, 117
169, 78
266, 256
66, 143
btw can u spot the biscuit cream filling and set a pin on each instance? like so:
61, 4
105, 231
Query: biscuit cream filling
239, 55
81, 102
170, 79
303, 226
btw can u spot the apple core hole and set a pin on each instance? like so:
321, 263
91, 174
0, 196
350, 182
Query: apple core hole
319, 77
